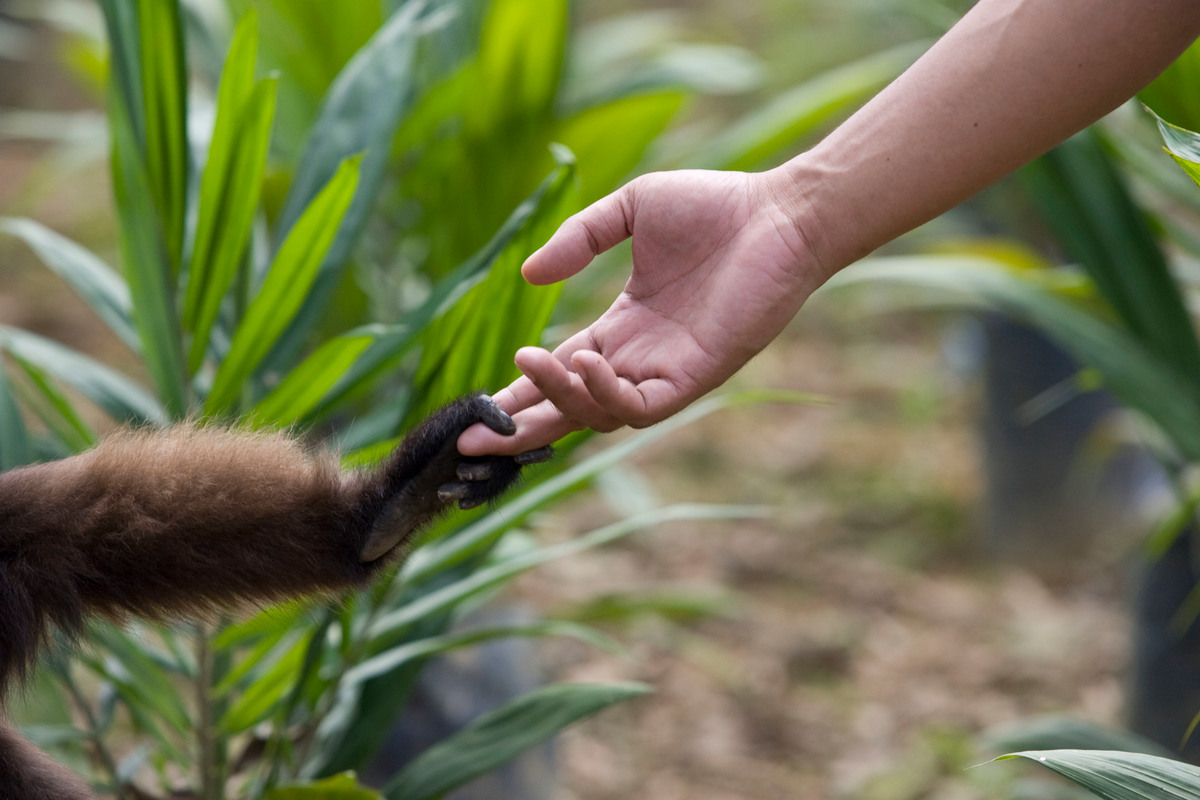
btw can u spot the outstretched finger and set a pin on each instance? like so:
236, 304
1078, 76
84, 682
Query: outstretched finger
635, 404
537, 427
581, 238
565, 389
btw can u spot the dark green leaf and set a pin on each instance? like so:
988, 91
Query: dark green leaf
147, 265
501, 735
471, 345
1137, 376
1092, 214
359, 115
382, 356
14, 438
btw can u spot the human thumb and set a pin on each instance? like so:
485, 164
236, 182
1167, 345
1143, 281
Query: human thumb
581, 238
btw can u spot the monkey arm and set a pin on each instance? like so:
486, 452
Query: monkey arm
163, 524
29, 774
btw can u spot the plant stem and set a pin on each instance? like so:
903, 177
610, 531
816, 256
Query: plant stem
93, 729
211, 784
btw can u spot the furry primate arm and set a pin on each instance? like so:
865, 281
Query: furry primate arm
164, 524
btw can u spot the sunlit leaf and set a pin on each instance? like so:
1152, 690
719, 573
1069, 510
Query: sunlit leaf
1183, 145
287, 284
309, 383
230, 186
339, 787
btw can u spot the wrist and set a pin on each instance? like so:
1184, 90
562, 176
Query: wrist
795, 190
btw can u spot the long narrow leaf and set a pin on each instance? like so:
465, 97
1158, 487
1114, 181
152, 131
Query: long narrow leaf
1091, 212
14, 437
269, 688
287, 285
1136, 375
501, 735
99, 286
164, 92
230, 186
359, 114
54, 409
147, 263
389, 660
440, 556
306, 386
125, 64
469, 346
392, 345
1060, 732
1121, 776
1183, 145
388, 625
117, 395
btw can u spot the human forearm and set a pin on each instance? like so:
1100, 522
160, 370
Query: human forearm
1010, 81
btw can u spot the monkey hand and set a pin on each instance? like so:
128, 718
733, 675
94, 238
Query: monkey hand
426, 474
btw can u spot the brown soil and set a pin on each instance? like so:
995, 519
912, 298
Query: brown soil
858, 641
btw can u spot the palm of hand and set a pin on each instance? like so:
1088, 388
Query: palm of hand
716, 276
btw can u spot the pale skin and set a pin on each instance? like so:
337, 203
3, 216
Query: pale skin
722, 261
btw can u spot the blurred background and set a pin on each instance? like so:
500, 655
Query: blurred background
950, 525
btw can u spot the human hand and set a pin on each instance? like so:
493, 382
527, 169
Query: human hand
719, 267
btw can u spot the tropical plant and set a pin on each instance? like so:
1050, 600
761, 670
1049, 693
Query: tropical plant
231, 297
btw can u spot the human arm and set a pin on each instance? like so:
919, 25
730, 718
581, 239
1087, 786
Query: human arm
723, 260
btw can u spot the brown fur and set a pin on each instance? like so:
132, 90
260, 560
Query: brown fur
164, 524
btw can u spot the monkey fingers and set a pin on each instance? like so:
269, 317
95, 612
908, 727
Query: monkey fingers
426, 474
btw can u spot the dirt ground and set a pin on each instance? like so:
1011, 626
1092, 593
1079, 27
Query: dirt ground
856, 643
